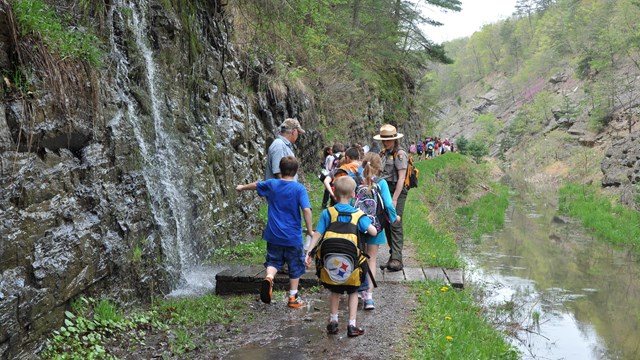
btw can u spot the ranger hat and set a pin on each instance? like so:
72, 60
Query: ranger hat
388, 132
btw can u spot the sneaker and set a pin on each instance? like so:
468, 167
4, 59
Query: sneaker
295, 301
266, 290
332, 327
353, 331
368, 304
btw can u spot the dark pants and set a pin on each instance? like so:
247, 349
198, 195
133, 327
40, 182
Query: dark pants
325, 198
394, 232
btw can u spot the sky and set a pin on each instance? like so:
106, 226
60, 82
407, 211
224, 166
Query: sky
474, 14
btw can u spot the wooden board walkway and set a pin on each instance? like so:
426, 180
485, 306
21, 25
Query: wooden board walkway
246, 279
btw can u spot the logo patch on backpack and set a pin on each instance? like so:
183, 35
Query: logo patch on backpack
339, 267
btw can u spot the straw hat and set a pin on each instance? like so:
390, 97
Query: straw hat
388, 132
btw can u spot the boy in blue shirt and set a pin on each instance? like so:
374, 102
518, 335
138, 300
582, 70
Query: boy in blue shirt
344, 191
283, 233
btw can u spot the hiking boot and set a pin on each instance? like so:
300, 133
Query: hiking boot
266, 288
353, 331
332, 327
295, 301
368, 304
394, 265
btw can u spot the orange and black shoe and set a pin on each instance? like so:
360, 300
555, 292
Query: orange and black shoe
295, 301
266, 288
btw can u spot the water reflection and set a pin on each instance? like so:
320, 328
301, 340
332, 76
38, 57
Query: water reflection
574, 297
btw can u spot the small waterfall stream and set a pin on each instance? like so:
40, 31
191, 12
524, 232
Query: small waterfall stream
159, 150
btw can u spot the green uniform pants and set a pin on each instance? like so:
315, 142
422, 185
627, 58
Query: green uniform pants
395, 233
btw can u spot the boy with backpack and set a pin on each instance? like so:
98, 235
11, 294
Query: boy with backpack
341, 263
285, 198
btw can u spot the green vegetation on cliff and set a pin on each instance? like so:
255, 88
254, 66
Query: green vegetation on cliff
36, 18
593, 41
344, 53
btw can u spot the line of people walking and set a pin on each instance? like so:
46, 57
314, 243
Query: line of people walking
363, 204
430, 147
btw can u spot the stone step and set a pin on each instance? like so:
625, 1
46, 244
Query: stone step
246, 279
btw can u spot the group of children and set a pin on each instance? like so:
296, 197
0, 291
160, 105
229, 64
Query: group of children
430, 147
287, 198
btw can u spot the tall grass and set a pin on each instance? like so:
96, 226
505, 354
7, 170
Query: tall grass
485, 215
434, 248
449, 325
35, 17
613, 223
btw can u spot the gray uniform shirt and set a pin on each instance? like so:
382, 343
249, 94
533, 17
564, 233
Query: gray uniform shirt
391, 164
280, 147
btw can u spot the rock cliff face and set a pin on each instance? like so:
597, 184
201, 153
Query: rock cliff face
618, 140
118, 179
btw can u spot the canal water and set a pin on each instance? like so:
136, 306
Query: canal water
562, 293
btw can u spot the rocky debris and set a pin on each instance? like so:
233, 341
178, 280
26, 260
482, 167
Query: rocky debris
559, 78
621, 164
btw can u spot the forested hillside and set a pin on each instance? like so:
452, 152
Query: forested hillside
566, 72
348, 55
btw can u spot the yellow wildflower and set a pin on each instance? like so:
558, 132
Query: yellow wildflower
447, 317
449, 338
444, 289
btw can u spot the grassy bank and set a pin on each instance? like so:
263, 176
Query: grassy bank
449, 324
610, 222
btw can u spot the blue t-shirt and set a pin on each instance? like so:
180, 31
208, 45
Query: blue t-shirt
325, 218
284, 222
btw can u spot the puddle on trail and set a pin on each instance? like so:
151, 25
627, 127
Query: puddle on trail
575, 297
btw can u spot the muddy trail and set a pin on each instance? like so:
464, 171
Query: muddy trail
274, 331
279, 332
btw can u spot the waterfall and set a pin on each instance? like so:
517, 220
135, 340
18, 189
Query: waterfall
159, 147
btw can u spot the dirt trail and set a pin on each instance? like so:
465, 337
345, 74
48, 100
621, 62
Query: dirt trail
279, 332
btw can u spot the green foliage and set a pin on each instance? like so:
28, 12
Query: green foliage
485, 215
449, 325
477, 149
196, 312
249, 253
613, 223
350, 48
83, 336
433, 247
92, 326
462, 144
136, 254
489, 127
35, 17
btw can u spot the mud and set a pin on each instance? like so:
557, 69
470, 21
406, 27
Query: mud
275, 331
279, 332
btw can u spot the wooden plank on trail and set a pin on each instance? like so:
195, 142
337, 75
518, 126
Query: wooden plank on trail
456, 277
246, 279
393, 277
251, 274
414, 274
435, 273
229, 273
